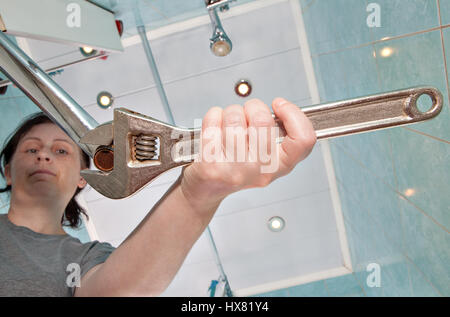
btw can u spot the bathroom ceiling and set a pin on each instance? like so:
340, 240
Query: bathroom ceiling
255, 259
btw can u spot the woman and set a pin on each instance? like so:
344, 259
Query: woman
42, 165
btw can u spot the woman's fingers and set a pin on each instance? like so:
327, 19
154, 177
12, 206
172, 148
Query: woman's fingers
211, 140
260, 124
301, 136
234, 134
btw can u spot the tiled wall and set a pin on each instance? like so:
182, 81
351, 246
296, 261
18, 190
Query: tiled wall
394, 184
14, 107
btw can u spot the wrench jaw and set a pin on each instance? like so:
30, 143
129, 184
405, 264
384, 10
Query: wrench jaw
142, 149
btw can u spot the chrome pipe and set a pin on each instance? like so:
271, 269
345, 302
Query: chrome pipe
45, 93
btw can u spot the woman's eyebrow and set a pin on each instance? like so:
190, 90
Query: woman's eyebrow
64, 140
31, 138
38, 139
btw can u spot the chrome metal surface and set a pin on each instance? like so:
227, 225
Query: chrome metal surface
220, 43
44, 92
7, 82
180, 146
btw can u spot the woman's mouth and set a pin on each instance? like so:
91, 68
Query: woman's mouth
42, 171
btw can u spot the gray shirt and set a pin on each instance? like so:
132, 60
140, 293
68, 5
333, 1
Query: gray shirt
36, 264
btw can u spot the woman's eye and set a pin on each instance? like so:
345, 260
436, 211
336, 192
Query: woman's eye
32, 151
62, 151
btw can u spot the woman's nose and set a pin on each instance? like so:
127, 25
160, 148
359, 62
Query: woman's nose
43, 156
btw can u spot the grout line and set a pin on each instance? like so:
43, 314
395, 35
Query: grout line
224, 214
232, 65
443, 51
359, 284
423, 212
304, 10
438, 4
427, 135
158, 11
420, 271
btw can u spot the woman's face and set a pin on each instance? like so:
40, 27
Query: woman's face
46, 162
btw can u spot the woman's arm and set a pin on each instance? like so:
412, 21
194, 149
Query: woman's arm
147, 261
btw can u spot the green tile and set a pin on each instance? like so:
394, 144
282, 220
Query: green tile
277, 293
399, 17
330, 76
427, 245
417, 61
395, 278
445, 11
423, 172
383, 205
314, 289
345, 285
374, 151
334, 25
421, 286
347, 74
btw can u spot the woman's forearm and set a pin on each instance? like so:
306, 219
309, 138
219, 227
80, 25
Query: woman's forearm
147, 261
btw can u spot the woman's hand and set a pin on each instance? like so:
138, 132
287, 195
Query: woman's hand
238, 149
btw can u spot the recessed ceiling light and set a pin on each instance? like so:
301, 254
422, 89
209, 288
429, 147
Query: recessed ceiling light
243, 88
105, 99
87, 51
386, 52
276, 224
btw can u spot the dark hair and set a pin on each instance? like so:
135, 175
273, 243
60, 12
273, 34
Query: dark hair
73, 211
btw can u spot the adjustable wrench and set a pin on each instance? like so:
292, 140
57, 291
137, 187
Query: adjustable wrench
134, 149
